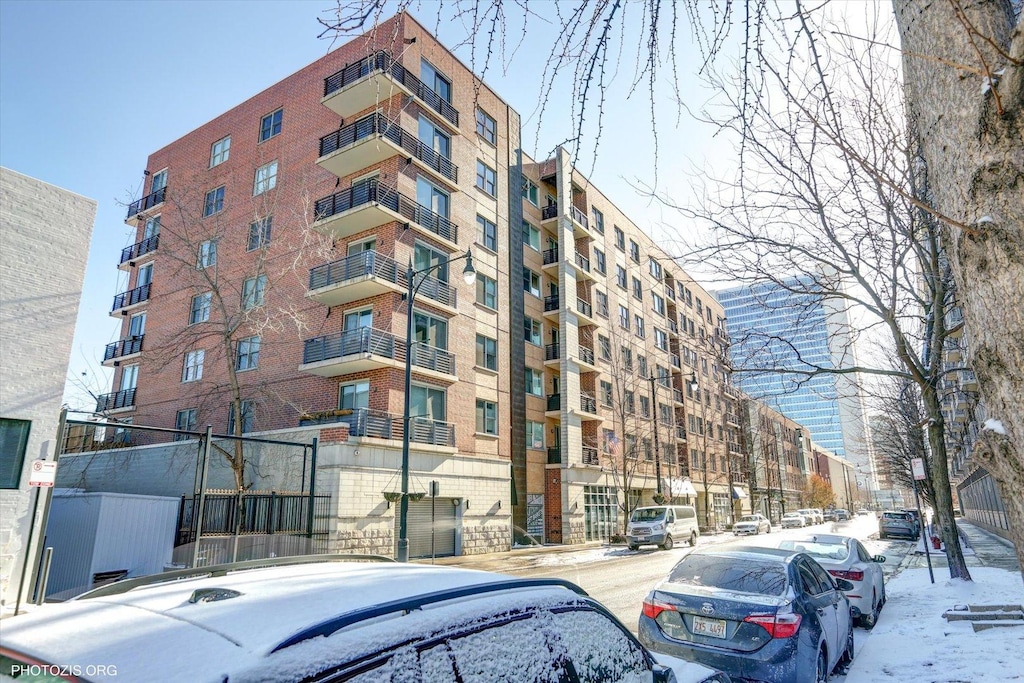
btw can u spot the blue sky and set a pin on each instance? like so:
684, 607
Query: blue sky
89, 89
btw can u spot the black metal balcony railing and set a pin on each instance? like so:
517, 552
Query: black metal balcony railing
366, 340
588, 404
378, 124
681, 432
552, 351
370, 263
550, 256
583, 262
147, 202
672, 327
382, 61
139, 248
123, 347
551, 211
674, 358
113, 401
548, 212
584, 308
677, 396
590, 456
554, 402
551, 303
670, 291
131, 297
370, 192
375, 424
554, 456
587, 355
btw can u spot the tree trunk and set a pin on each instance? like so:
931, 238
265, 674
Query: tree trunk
939, 471
972, 133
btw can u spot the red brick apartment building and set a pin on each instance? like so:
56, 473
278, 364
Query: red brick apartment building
271, 251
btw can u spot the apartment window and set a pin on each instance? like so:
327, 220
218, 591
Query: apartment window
627, 358
259, 234
207, 255
245, 424
354, 396
248, 356
598, 220
531, 282
640, 331
692, 423
13, 444
486, 417
532, 330
159, 181
435, 80
629, 402
430, 330
665, 413
432, 197
606, 393
534, 382
534, 435
663, 375
531, 236
200, 311
185, 421
486, 127
486, 352
689, 296
193, 366
604, 347
645, 407
487, 233
620, 239
531, 192
638, 289
641, 362
152, 228
486, 291
620, 277
634, 251
648, 453
658, 303
623, 317
602, 303
700, 308
599, 261
220, 151
270, 125
486, 178
660, 339
253, 289
710, 319
214, 201
266, 178
608, 440
434, 138
655, 269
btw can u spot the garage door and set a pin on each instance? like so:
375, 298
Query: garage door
421, 520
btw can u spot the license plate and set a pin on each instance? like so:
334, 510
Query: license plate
709, 627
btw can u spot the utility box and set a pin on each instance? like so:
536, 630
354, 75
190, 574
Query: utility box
102, 537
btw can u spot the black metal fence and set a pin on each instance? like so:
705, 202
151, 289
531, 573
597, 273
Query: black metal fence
253, 513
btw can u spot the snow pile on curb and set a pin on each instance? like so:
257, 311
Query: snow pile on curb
912, 642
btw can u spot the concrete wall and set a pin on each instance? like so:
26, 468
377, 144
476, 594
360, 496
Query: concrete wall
44, 244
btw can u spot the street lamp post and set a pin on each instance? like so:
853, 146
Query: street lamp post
469, 275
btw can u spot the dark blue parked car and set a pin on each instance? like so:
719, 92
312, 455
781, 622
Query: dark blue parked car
758, 614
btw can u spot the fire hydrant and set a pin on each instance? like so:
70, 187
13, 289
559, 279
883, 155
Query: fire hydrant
936, 542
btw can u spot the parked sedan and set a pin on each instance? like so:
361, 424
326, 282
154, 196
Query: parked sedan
793, 520
894, 523
846, 558
813, 517
840, 515
752, 525
755, 613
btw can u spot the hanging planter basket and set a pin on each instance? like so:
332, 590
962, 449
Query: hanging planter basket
392, 496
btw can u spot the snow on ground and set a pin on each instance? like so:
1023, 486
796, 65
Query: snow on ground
605, 552
912, 642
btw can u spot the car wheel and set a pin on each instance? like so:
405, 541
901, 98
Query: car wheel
634, 547
881, 536
868, 620
847, 659
821, 669
667, 545
693, 539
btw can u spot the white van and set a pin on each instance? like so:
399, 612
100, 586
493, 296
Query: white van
662, 525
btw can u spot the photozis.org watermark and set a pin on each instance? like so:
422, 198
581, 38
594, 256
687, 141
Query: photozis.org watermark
30, 671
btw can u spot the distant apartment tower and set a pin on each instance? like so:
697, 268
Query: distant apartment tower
44, 244
770, 324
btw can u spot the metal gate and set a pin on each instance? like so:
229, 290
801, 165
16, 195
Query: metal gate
445, 520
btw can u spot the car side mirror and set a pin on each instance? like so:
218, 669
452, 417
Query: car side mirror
844, 585
662, 674
880, 559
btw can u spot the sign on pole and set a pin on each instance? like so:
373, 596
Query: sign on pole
42, 473
917, 465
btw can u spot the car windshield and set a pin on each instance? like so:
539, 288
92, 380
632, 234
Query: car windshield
826, 551
749, 518
730, 573
902, 516
791, 514
648, 515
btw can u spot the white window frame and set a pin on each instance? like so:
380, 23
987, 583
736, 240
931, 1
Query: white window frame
265, 178
192, 368
220, 151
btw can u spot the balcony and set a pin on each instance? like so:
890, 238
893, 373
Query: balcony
968, 380
362, 84
555, 456
586, 359
137, 250
588, 405
677, 366
367, 205
374, 138
554, 405
670, 292
955, 321
150, 201
582, 264
677, 396
680, 433
364, 349
551, 306
552, 354
129, 299
732, 419
123, 349
550, 259
673, 328
585, 312
375, 424
954, 352
118, 400
367, 274
580, 223
590, 456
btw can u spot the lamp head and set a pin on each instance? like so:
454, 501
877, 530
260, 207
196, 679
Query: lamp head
693, 381
469, 272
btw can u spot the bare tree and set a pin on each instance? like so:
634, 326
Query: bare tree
899, 435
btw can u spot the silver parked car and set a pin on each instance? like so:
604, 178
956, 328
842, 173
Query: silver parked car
752, 525
793, 520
